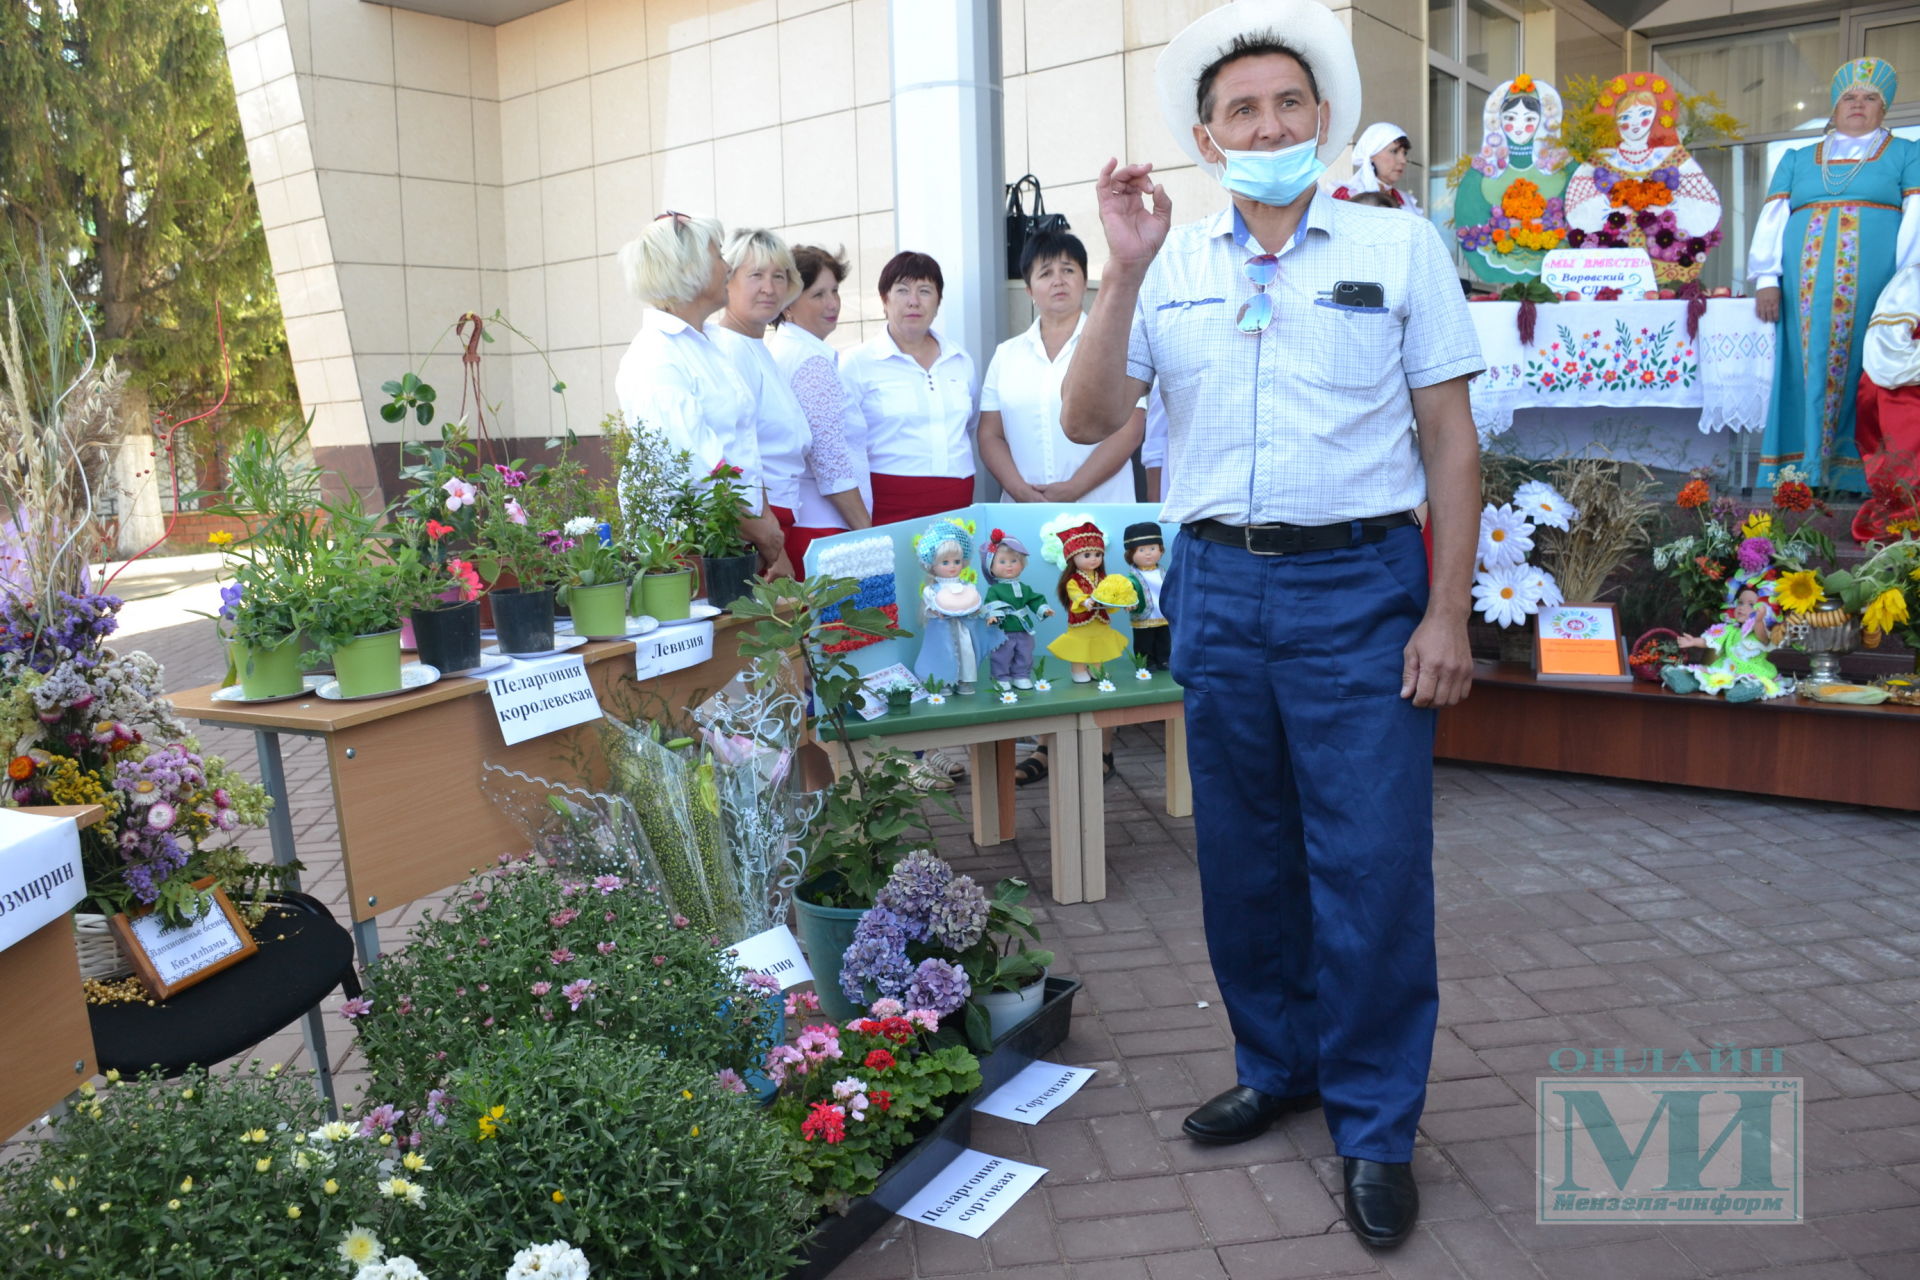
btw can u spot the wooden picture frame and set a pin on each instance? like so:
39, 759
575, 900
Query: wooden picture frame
1561, 657
220, 924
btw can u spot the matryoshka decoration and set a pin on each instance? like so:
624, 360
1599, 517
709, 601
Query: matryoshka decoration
1646, 190
1507, 212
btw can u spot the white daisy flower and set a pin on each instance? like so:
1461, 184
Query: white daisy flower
1009, 697
1505, 537
1143, 674
1503, 596
1105, 686
936, 699
1545, 587
1714, 679
1042, 686
359, 1246
1543, 504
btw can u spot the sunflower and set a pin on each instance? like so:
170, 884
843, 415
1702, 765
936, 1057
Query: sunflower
1798, 592
1886, 611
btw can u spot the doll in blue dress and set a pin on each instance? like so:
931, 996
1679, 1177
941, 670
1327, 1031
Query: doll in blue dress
954, 633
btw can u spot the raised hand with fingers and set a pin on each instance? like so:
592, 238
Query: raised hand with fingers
1135, 231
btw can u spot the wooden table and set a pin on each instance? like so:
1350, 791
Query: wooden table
1785, 747
47, 1049
1076, 716
406, 769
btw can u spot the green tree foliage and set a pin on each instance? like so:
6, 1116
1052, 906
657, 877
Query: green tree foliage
122, 159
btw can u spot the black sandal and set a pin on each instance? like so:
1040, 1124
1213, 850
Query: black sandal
1106, 766
1032, 769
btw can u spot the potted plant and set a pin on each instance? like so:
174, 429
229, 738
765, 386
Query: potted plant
873, 810
665, 585
439, 594
356, 612
899, 694
728, 561
509, 543
595, 576
937, 941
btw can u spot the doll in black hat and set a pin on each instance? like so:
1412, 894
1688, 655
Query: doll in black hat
1143, 550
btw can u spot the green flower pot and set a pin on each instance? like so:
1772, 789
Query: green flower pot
599, 612
667, 596
826, 932
268, 673
368, 664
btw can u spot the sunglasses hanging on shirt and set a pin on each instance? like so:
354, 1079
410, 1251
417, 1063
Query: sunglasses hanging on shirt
1256, 313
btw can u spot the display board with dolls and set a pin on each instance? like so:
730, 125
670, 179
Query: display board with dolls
1644, 189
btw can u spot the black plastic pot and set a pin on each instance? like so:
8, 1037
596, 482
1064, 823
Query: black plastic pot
729, 577
448, 637
523, 620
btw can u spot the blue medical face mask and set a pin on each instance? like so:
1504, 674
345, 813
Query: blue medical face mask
1270, 177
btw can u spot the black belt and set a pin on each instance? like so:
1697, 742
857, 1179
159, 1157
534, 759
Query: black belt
1292, 539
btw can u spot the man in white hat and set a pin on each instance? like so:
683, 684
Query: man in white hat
1314, 356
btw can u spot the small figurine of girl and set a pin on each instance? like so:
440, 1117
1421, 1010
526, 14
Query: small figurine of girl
1012, 606
954, 635
1152, 639
1088, 640
1750, 628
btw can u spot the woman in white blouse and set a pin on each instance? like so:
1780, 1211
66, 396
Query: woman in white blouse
915, 392
762, 282
673, 376
1020, 437
835, 493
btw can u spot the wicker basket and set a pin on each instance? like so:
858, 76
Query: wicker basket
1650, 671
101, 955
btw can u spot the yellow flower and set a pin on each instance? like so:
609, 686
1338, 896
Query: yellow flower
173, 1204
490, 1123
59, 1184
415, 1162
696, 1131
1758, 525
1887, 611
687, 1094
1799, 591
220, 538
293, 1211
330, 1187
186, 1183
559, 1196
263, 1164
386, 1139
187, 1094
254, 1135
72, 1212
113, 1075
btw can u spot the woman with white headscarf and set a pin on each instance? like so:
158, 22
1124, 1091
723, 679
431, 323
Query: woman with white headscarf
1379, 162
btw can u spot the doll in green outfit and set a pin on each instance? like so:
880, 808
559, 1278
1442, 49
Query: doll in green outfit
1740, 670
1014, 607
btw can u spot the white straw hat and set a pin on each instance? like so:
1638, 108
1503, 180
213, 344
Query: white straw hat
1303, 25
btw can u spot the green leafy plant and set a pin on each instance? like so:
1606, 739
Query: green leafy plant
659, 551
409, 396
711, 511
874, 808
637, 1160
233, 1172
525, 945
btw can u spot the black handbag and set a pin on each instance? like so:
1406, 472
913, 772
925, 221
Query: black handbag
1023, 226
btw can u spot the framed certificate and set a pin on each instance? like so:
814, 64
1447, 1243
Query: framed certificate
171, 959
1579, 642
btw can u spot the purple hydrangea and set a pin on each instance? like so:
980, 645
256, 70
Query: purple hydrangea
959, 915
938, 986
913, 889
877, 955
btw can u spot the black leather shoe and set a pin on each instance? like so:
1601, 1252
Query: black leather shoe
1241, 1113
1382, 1202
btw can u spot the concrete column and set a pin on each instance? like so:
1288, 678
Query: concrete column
948, 159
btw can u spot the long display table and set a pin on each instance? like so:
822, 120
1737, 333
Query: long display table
1786, 747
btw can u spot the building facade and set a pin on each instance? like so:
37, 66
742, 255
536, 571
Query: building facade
420, 159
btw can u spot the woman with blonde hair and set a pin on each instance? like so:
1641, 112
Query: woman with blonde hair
674, 377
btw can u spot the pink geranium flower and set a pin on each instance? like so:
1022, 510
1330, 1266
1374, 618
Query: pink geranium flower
460, 493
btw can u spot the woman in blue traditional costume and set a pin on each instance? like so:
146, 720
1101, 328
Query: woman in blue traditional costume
1841, 217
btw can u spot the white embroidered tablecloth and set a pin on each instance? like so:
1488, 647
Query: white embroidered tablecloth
1625, 355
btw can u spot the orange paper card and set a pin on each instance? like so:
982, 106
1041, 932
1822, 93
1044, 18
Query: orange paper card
1580, 657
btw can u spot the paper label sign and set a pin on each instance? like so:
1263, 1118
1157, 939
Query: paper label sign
40, 874
672, 649
535, 698
1034, 1092
1588, 271
202, 942
971, 1193
775, 952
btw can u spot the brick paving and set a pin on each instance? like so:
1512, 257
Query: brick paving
1572, 912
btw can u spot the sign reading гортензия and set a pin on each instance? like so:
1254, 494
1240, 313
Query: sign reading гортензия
1670, 1138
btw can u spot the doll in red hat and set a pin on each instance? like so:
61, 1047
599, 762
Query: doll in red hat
1080, 550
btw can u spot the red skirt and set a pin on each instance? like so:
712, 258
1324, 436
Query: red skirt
897, 498
1886, 426
799, 538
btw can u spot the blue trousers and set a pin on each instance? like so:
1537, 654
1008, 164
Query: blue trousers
1313, 807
